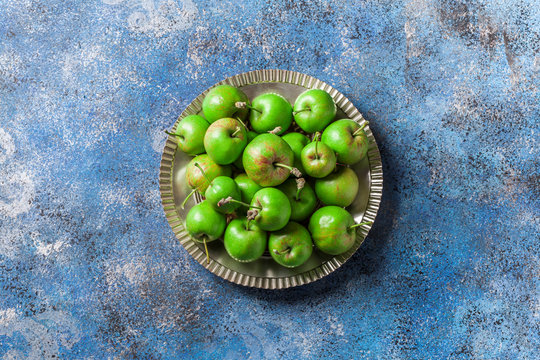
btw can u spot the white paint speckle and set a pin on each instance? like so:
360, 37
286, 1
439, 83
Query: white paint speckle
11, 241
7, 316
335, 325
351, 58
48, 249
16, 191
44, 333
158, 140
7, 146
10, 64
134, 273
158, 17
112, 197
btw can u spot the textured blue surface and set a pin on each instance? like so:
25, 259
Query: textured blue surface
89, 267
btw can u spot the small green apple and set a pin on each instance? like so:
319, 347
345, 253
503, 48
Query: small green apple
290, 246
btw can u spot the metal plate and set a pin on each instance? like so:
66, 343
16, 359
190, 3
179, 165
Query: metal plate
265, 273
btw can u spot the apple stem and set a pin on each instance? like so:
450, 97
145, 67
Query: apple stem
293, 170
247, 223
299, 186
276, 130
360, 224
187, 198
236, 131
299, 111
252, 214
282, 252
316, 139
243, 104
360, 128
206, 250
202, 171
230, 199
241, 122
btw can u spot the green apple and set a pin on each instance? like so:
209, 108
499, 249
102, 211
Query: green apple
347, 139
318, 160
190, 133
313, 110
225, 140
220, 188
274, 209
268, 160
204, 224
220, 102
301, 196
290, 246
269, 111
244, 240
339, 188
333, 229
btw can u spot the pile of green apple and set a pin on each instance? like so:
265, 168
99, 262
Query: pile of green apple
283, 180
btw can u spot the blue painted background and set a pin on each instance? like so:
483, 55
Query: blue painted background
89, 268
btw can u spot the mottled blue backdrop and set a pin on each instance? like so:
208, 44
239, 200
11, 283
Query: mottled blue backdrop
90, 269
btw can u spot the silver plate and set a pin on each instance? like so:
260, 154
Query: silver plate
265, 273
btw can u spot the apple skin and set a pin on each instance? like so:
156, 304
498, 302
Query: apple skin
276, 209
339, 188
220, 102
248, 188
273, 111
238, 162
330, 229
322, 110
225, 140
203, 221
294, 237
297, 142
261, 154
302, 208
318, 160
349, 148
194, 177
220, 188
252, 135
190, 133
244, 245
